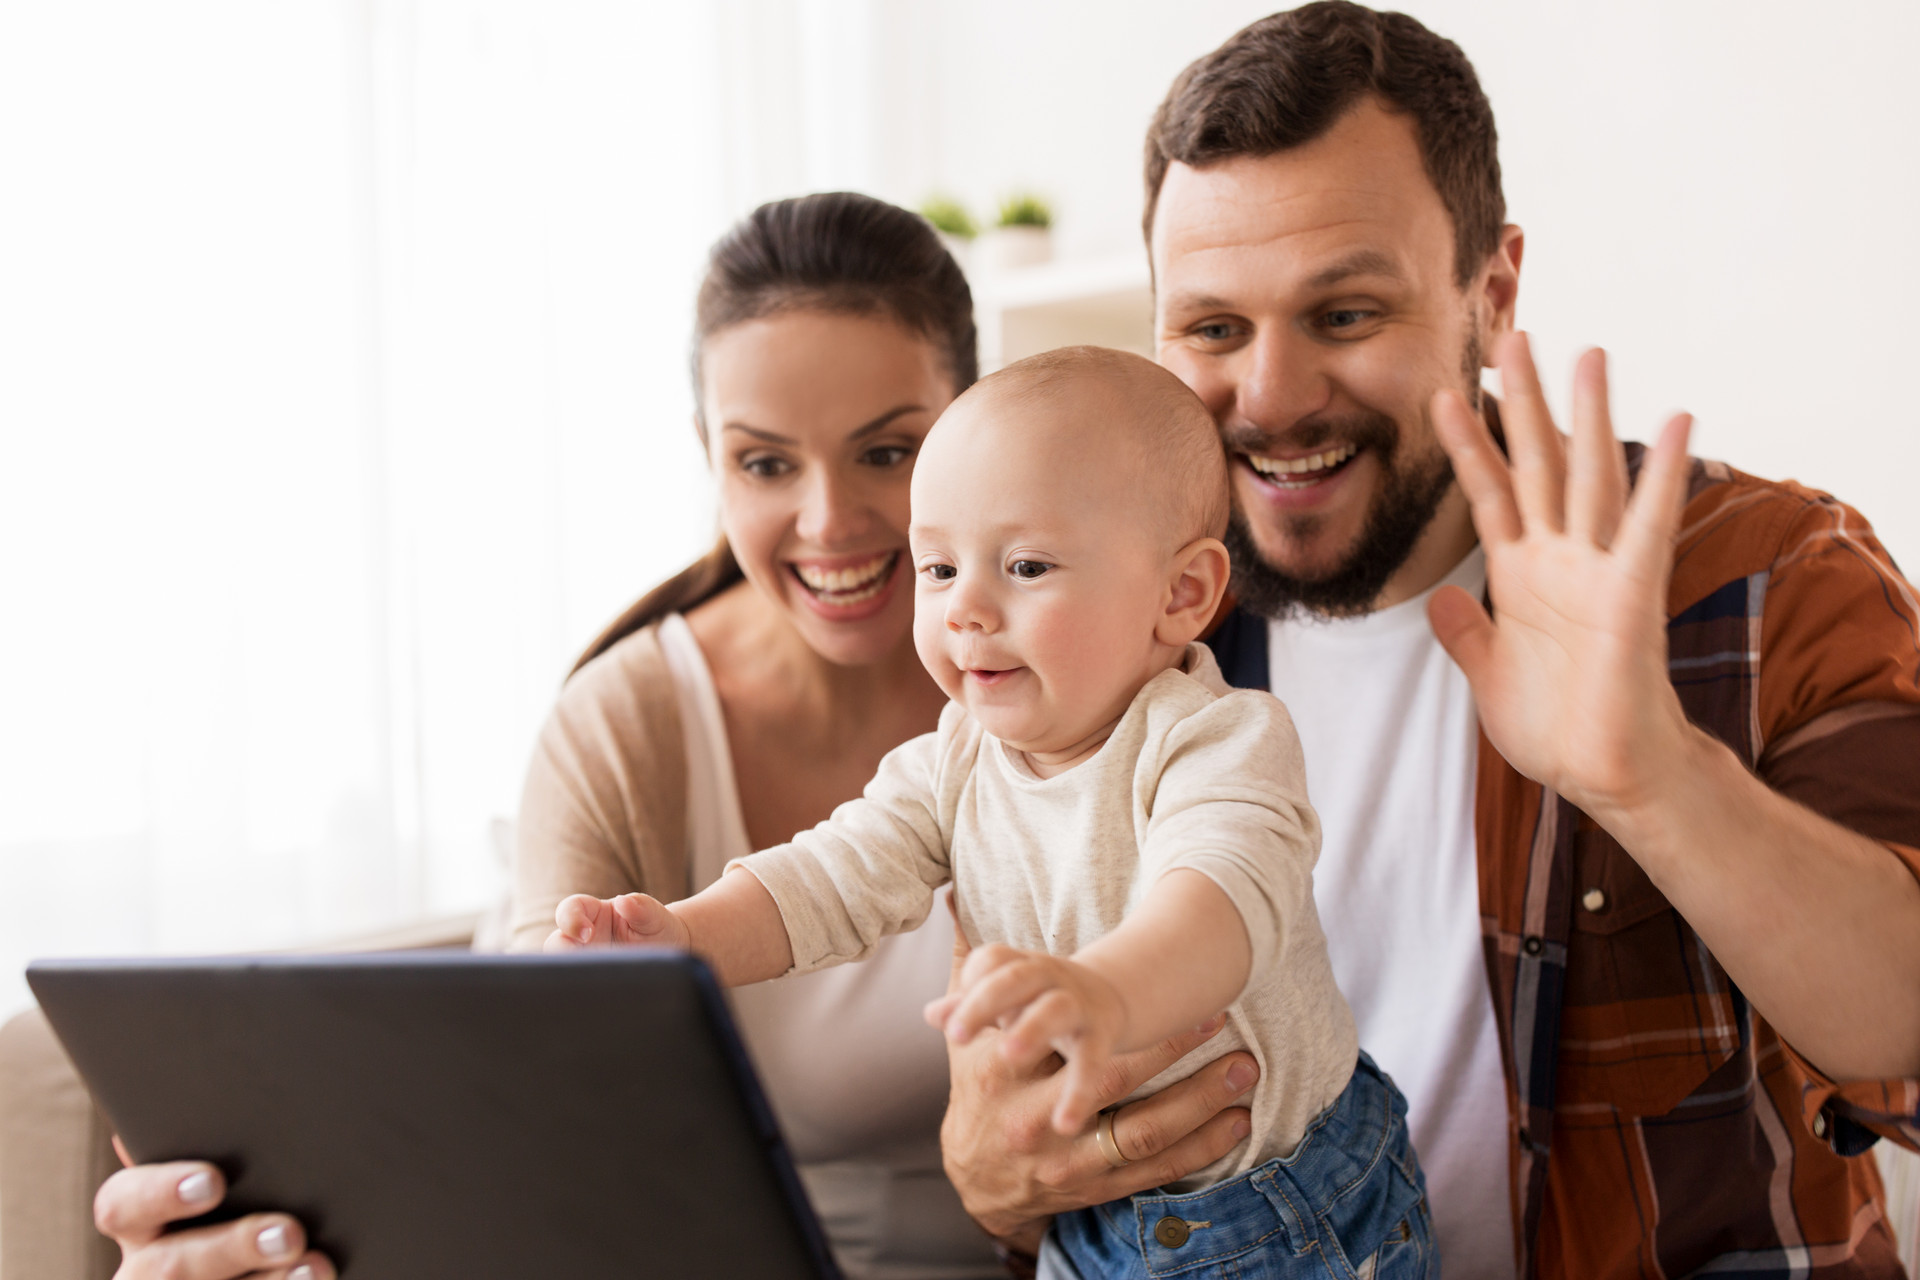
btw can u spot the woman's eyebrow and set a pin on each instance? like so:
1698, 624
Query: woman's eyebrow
878, 424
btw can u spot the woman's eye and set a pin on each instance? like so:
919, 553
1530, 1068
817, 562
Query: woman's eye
886, 455
939, 572
765, 466
1028, 570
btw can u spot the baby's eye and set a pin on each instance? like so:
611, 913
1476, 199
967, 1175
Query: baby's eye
1028, 570
940, 572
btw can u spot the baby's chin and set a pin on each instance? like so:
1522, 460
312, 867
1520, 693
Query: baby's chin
1030, 733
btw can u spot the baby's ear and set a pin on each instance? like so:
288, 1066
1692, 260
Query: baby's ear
1197, 585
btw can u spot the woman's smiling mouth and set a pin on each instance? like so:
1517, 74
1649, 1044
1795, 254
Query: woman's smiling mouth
836, 586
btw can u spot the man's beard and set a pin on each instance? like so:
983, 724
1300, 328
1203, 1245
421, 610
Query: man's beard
1401, 511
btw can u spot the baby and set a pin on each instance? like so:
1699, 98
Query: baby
1129, 841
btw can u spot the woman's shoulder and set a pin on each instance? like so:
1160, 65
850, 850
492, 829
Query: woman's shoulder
617, 720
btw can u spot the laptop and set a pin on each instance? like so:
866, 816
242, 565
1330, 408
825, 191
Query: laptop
449, 1114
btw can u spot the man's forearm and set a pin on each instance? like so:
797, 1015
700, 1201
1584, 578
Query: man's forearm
1819, 926
736, 927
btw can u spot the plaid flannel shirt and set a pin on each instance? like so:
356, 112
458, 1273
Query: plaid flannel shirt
1657, 1125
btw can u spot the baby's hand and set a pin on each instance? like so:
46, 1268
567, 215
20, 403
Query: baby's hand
1044, 1004
632, 919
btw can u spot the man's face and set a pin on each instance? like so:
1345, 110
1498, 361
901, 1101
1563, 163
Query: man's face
1310, 299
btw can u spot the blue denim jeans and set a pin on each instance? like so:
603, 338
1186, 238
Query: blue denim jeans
1349, 1204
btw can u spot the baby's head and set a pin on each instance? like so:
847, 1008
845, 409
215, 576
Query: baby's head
1067, 515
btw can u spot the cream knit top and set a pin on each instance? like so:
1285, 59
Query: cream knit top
1195, 775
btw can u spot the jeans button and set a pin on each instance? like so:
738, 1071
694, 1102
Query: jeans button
1171, 1232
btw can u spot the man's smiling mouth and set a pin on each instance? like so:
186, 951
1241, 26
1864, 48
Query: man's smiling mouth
1301, 473
847, 584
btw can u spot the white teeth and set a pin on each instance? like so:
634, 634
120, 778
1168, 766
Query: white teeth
1302, 466
849, 585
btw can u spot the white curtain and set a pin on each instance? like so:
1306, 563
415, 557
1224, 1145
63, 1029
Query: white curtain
343, 397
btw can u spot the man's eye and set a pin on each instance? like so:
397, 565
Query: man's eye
1028, 570
1217, 331
1346, 318
940, 572
886, 455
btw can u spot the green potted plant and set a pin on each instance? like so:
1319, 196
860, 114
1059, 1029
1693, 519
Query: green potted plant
951, 219
1022, 235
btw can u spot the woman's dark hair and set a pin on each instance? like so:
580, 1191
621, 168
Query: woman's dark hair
836, 251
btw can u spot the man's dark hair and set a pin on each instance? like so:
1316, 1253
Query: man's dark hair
1283, 82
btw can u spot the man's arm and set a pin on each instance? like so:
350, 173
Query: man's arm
1819, 925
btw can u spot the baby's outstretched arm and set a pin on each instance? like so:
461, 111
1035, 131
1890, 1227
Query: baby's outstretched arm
1179, 958
733, 924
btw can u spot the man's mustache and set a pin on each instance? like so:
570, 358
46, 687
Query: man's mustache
1364, 430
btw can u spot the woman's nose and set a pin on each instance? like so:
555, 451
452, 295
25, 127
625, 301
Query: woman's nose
831, 513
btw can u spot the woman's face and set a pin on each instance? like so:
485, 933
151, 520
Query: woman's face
813, 422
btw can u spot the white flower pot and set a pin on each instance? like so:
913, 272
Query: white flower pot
1009, 248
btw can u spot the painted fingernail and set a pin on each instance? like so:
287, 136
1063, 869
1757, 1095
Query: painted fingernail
303, 1272
1241, 1128
1240, 1075
195, 1188
272, 1241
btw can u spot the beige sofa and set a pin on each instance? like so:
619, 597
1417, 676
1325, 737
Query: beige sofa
55, 1148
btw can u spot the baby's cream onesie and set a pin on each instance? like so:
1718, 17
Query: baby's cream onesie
1195, 775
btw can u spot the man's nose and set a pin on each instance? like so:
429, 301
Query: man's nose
1282, 380
831, 513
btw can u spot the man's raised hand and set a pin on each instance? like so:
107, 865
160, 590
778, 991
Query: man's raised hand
1569, 674
632, 919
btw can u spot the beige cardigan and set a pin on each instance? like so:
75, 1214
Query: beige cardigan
605, 798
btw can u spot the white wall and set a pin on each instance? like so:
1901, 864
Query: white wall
1725, 195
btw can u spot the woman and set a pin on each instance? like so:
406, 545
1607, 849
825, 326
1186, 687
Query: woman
740, 702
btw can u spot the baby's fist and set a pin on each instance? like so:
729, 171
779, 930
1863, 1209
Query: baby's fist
632, 919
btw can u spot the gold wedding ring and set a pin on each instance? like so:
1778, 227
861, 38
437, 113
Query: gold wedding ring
1103, 1136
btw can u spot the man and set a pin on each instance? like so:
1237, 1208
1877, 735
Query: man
1620, 878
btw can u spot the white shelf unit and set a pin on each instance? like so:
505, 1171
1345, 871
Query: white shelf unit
1107, 302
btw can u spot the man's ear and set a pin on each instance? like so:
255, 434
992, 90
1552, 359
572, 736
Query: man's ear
1197, 584
1500, 294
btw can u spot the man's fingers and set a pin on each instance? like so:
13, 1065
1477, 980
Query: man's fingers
1190, 1154
1483, 474
1147, 1128
1597, 475
1645, 540
1533, 443
1464, 630
1129, 1071
938, 1011
136, 1204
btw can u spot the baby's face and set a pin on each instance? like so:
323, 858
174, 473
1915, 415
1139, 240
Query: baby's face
1039, 578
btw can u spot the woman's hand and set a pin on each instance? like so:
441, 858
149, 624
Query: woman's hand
135, 1206
1013, 1172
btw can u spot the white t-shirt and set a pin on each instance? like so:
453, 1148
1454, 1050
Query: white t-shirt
1390, 734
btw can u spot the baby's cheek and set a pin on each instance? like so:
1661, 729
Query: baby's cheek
929, 641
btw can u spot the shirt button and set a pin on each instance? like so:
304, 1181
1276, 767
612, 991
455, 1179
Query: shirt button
1820, 1125
1532, 945
1171, 1232
1594, 900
